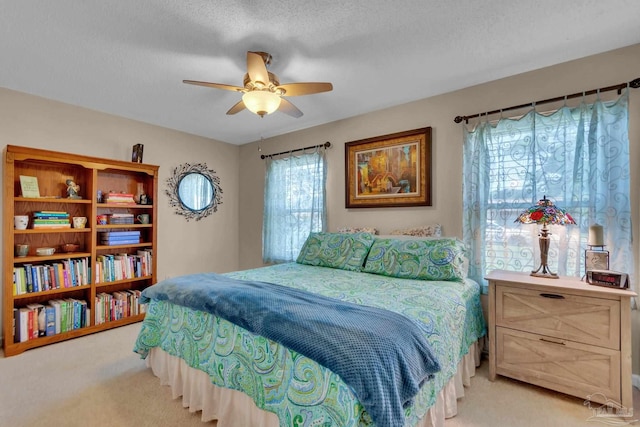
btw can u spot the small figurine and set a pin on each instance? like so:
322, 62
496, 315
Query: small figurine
73, 189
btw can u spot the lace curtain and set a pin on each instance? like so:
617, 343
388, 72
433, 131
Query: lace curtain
577, 157
294, 204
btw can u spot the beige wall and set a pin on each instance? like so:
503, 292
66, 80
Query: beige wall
210, 244
438, 112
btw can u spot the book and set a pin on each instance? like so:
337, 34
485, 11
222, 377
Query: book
84, 314
40, 324
22, 325
28, 276
119, 242
57, 314
119, 198
19, 280
50, 320
29, 186
16, 325
116, 238
51, 226
51, 214
64, 315
15, 280
35, 279
59, 275
120, 221
32, 324
119, 233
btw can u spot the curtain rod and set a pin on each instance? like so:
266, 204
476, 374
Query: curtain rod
325, 145
633, 83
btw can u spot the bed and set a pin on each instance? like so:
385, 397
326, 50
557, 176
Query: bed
241, 378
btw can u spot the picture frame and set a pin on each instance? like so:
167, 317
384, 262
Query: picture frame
596, 260
29, 187
389, 171
136, 153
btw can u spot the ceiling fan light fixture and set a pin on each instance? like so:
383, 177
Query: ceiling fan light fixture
261, 102
262, 90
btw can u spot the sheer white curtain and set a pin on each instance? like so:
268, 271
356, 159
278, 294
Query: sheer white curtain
577, 157
294, 204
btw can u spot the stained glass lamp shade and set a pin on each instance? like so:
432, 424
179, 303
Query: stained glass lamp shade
544, 212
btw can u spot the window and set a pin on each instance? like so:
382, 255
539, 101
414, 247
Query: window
294, 204
577, 157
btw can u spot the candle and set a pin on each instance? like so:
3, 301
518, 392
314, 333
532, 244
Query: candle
596, 236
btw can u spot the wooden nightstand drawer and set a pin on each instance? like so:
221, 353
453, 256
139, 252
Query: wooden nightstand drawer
562, 334
562, 365
581, 319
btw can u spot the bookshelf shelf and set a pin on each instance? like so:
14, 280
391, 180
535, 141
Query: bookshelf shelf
49, 276
63, 336
51, 292
124, 205
120, 226
120, 322
51, 200
52, 230
132, 245
60, 256
118, 282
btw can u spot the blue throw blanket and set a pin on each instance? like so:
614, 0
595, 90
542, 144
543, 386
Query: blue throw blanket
383, 356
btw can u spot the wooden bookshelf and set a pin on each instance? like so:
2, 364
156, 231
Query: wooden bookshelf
52, 169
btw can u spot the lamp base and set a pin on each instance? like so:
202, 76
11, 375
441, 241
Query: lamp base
544, 270
547, 275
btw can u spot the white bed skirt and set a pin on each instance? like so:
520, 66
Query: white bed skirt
232, 408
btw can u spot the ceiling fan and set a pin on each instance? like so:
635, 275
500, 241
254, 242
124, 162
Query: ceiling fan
262, 92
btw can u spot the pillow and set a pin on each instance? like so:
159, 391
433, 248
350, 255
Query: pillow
434, 230
407, 237
358, 230
336, 250
426, 259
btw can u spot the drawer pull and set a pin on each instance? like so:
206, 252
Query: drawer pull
551, 341
553, 296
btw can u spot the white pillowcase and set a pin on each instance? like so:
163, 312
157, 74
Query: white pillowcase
433, 230
370, 230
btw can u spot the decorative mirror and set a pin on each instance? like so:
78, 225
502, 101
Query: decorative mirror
194, 190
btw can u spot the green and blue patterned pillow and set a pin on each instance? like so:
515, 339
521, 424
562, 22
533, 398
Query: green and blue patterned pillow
336, 250
424, 259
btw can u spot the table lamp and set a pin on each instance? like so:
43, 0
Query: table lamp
544, 212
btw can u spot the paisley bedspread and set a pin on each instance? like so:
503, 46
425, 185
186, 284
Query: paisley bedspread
298, 390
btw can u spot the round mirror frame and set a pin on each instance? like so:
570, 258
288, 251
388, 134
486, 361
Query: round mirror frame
173, 190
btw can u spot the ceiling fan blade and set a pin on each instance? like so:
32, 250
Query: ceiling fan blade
297, 89
239, 106
214, 85
290, 109
256, 68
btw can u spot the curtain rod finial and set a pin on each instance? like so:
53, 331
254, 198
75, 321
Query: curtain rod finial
458, 119
635, 83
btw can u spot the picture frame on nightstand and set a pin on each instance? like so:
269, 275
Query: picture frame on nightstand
596, 260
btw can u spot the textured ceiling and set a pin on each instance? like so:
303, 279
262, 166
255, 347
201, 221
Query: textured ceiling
129, 58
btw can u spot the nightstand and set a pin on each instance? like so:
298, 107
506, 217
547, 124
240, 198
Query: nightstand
562, 334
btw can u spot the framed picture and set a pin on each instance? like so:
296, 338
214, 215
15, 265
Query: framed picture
596, 260
389, 171
136, 153
29, 186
